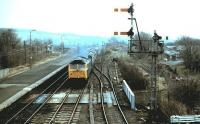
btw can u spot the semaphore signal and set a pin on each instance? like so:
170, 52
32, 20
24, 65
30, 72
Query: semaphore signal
156, 49
130, 33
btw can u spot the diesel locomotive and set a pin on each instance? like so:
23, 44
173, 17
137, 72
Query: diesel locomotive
81, 67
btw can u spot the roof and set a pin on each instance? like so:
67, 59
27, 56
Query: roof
171, 52
170, 47
79, 60
172, 62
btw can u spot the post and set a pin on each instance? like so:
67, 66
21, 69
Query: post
63, 47
157, 49
153, 98
46, 49
31, 50
131, 33
62, 44
37, 50
25, 51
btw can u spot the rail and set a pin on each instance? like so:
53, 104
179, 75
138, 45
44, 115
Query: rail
29, 104
112, 87
74, 109
60, 106
45, 101
102, 100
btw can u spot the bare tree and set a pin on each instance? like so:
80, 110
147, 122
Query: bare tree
145, 39
13, 52
8, 40
190, 53
9, 43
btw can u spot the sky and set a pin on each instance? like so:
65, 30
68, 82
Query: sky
173, 18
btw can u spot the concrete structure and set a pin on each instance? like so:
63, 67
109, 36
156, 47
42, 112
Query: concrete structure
129, 94
4, 73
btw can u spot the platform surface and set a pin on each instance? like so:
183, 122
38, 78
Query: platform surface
12, 85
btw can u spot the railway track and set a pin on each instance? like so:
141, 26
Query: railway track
113, 74
109, 117
63, 112
91, 98
101, 114
50, 113
25, 114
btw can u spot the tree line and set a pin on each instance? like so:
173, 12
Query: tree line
190, 52
15, 52
190, 49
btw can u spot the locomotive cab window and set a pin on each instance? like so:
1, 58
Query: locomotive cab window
81, 66
73, 66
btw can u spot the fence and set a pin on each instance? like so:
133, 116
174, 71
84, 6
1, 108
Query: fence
184, 118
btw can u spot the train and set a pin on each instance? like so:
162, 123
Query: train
80, 67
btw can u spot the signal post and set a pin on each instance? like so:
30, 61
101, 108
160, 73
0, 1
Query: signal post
156, 49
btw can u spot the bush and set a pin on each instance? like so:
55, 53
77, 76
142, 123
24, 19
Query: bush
172, 108
190, 53
188, 92
131, 74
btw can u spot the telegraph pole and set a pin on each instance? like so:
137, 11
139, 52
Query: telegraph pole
156, 49
25, 51
62, 43
31, 49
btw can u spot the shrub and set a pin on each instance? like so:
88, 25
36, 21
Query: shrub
172, 108
131, 74
188, 92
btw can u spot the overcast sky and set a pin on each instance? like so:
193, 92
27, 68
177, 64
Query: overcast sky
97, 17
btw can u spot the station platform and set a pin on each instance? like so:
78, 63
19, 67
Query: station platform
11, 86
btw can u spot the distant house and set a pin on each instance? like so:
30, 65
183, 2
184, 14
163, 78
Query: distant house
171, 47
180, 48
50, 48
172, 53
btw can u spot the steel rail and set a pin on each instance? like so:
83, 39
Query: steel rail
45, 102
102, 100
91, 112
58, 109
112, 87
75, 107
34, 99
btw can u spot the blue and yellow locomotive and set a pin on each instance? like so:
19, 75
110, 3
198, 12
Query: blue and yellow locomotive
81, 67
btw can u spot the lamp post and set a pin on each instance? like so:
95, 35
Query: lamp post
31, 49
62, 43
